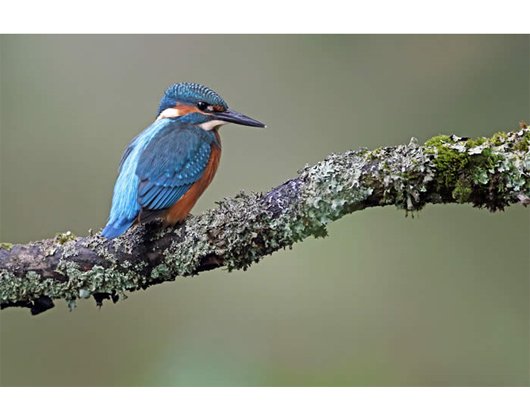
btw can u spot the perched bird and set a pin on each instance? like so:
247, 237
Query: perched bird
166, 168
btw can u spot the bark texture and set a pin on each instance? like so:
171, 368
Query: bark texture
489, 172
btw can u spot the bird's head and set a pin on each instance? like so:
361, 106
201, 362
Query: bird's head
211, 110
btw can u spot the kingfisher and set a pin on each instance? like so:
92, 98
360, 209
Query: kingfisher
167, 167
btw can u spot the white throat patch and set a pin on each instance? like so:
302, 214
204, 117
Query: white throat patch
169, 113
210, 125
206, 126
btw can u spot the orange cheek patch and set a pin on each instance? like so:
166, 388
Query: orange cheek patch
186, 109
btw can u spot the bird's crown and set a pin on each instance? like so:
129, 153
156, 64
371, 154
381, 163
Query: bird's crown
190, 93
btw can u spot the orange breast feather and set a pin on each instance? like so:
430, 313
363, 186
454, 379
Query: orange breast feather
181, 209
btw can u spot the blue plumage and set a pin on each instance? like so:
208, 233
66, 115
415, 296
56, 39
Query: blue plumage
189, 93
163, 162
171, 163
125, 207
157, 169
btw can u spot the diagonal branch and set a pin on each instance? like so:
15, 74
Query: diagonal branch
486, 172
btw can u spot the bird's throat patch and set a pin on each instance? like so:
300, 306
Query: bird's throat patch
178, 111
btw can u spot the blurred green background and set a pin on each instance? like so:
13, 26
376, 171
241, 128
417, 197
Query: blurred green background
438, 299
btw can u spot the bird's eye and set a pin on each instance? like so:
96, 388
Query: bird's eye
203, 106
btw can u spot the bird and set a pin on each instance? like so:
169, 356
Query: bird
166, 168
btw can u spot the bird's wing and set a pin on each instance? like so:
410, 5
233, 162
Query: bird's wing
130, 147
170, 164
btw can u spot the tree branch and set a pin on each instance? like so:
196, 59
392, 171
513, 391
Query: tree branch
486, 172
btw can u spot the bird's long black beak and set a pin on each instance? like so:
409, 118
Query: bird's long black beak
235, 117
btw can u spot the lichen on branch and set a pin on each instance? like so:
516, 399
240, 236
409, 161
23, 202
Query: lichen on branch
489, 172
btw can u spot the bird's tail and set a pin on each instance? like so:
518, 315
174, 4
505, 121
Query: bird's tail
116, 228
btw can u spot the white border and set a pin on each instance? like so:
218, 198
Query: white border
265, 403
272, 16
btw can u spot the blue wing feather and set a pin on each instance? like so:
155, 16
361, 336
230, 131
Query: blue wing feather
156, 170
170, 165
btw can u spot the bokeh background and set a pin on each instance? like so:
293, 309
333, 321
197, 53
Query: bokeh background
438, 299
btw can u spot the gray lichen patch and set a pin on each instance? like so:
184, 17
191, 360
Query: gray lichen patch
235, 232
62, 238
490, 172
6, 245
406, 173
330, 185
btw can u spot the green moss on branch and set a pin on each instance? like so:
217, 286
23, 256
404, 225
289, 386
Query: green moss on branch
489, 172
